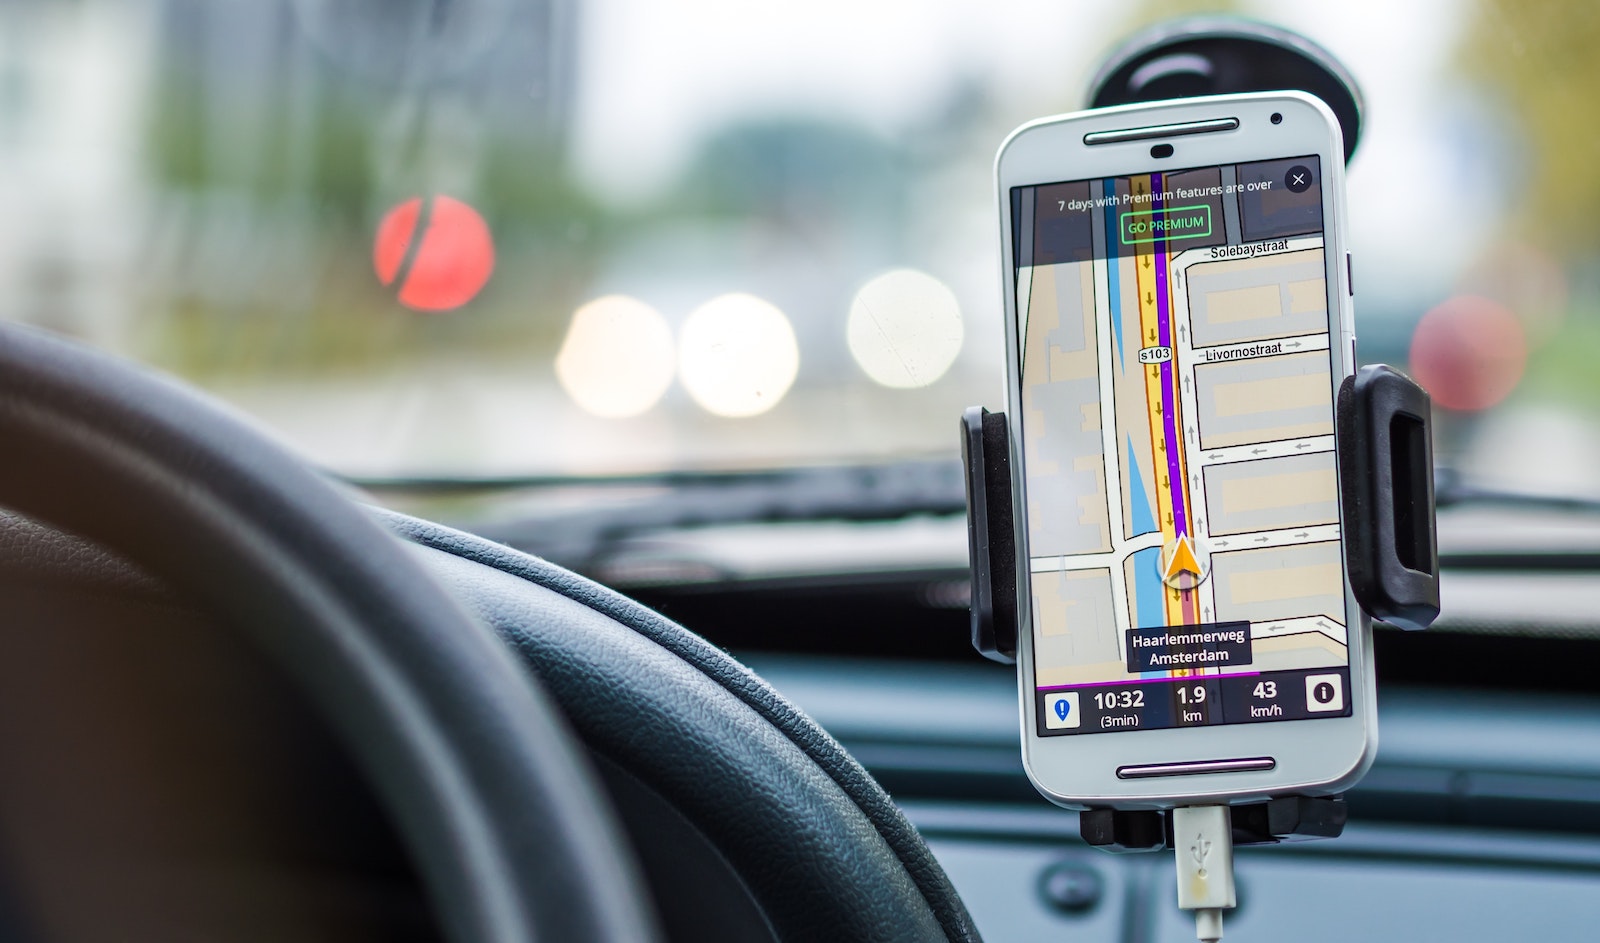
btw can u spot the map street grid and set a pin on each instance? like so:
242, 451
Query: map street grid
1178, 416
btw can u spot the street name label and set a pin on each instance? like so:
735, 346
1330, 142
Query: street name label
1179, 647
1249, 250
1289, 345
1244, 353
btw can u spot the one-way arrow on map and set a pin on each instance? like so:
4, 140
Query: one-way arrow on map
1302, 445
1295, 344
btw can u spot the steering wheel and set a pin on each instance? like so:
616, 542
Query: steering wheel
469, 756
470, 753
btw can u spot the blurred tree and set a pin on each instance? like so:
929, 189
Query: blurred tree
1538, 57
795, 169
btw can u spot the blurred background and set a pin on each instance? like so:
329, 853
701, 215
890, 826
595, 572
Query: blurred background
469, 238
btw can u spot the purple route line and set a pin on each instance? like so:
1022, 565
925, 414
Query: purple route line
1100, 684
1169, 398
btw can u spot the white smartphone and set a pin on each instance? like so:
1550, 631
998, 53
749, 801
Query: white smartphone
1178, 322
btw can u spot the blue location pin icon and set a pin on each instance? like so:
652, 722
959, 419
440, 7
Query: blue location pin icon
1063, 708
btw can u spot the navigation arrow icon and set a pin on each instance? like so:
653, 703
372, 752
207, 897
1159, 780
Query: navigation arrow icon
1182, 561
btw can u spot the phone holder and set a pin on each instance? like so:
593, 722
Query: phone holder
1384, 454
1283, 819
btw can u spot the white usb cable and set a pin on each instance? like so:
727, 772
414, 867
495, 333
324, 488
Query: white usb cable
1202, 839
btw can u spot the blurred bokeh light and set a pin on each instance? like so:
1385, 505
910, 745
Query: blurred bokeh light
1469, 353
905, 328
737, 355
617, 359
446, 265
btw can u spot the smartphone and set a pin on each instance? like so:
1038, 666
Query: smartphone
1178, 315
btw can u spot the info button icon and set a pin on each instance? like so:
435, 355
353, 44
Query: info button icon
1324, 693
1061, 710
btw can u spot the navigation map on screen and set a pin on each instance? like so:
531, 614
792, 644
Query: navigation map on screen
1178, 451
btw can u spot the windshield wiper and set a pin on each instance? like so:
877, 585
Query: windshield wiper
585, 517
1451, 489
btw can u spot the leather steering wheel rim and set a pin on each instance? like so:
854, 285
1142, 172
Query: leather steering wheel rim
488, 791
823, 850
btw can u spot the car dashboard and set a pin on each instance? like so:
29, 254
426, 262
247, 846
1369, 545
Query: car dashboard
1480, 819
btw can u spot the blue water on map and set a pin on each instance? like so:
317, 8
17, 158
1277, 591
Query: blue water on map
1148, 590
1144, 520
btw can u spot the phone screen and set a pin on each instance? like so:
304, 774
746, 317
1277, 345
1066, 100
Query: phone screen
1177, 435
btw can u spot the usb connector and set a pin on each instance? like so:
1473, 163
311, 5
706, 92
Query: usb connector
1202, 839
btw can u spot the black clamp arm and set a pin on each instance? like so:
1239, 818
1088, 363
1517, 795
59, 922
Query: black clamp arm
1386, 476
991, 538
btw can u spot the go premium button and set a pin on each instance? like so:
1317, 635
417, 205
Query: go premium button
1061, 710
1324, 693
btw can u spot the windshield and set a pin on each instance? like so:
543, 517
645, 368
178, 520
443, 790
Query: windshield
468, 238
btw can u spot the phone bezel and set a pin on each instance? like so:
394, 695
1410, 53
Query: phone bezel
1315, 756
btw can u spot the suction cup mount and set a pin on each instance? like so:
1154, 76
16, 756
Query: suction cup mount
1212, 55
